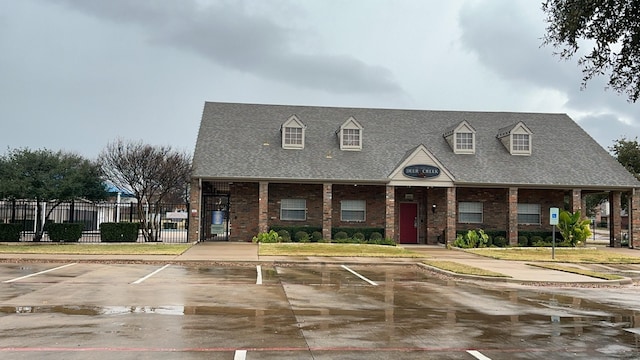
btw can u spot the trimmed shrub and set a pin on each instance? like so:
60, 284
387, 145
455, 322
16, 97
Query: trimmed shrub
302, 236
340, 235
375, 236
351, 231
294, 229
500, 241
285, 235
316, 236
119, 232
536, 239
523, 240
69, 232
10, 232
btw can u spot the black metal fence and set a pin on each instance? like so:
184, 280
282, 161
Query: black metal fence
171, 220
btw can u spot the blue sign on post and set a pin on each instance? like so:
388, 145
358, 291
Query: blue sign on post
553, 216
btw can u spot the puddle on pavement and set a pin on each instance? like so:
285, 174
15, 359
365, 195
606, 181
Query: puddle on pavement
175, 310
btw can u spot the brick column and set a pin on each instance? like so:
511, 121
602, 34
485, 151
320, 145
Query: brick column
195, 212
512, 232
634, 219
615, 226
390, 213
576, 201
327, 211
452, 218
263, 207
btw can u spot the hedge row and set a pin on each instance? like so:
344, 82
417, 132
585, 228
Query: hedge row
67, 232
310, 230
10, 232
525, 238
119, 232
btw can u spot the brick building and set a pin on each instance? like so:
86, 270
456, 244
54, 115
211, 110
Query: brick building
419, 176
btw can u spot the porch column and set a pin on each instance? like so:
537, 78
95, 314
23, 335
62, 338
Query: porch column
452, 217
615, 226
195, 196
512, 232
390, 213
327, 211
576, 201
634, 219
263, 207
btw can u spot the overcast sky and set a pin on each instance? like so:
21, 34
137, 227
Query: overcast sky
78, 74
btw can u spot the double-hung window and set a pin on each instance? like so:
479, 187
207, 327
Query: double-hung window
353, 210
529, 214
470, 212
293, 209
464, 141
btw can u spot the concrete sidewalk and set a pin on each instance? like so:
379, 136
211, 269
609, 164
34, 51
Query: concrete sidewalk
225, 252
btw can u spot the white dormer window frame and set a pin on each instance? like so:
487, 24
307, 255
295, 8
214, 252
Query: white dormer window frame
293, 133
517, 139
462, 138
350, 135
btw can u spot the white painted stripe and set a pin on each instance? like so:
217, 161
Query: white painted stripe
240, 355
259, 271
38, 273
478, 355
360, 276
150, 275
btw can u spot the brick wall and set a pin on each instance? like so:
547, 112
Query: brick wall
310, 192
375, 209
243, 211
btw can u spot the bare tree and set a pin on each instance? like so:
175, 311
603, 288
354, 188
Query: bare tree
152, 173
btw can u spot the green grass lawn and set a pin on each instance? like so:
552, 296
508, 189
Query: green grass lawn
575, 270
322, 249
458, 268
97, 249
567, 255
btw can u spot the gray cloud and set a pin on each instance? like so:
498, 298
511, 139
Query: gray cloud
508, 41
230, 35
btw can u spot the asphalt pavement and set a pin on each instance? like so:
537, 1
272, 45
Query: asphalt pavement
241, 252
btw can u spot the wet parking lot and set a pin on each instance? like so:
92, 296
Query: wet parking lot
161, 311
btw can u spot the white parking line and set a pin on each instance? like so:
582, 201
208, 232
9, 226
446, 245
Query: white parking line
259, 277
150, 275
478, 355
358, 275
240, 355
38, 273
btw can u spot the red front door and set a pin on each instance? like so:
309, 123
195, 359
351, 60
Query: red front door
408, 223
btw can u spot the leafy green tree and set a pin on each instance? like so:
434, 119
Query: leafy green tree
628, 154
573, 229
610, 28
152, 173
47, 176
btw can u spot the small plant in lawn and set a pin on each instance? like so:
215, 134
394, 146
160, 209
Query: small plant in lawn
267, 237
472, 239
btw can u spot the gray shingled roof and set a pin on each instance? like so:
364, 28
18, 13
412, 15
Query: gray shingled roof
231, 140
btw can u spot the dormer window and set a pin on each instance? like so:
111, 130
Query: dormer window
293, 133
461, 138
516, 139
350, 135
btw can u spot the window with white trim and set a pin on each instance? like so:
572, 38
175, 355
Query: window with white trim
529, 214
464, 141
521, 143
350, 135
293, 209
470, 212
353, 210
293, 136
293, 133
